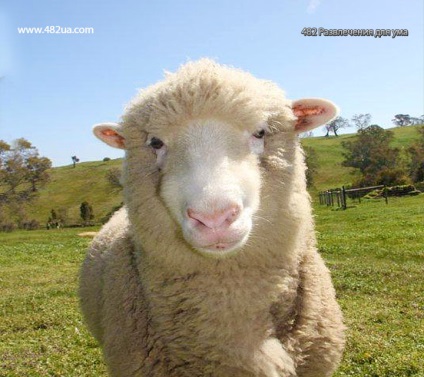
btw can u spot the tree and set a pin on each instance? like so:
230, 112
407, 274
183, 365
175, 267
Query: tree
372, 155
53, 221
53, 215
113, 176
361, 121
62, 215
416, 151
75, 159
38, 170
57, 219
22, 170
415, 121
22, 173
402, 120
86, 212
311, 160
335, 125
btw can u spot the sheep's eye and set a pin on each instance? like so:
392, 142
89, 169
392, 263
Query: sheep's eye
156, 143
259, 134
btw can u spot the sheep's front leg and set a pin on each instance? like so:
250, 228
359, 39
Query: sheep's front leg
91, 291
316, 330
274, 361
131, 347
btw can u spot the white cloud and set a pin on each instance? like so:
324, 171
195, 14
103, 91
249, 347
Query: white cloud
313, 5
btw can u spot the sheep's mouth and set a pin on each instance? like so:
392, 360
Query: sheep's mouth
220, 247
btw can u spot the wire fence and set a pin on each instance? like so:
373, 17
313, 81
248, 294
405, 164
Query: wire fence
337, 197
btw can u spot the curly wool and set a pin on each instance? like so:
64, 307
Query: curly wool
202, 88
160, 309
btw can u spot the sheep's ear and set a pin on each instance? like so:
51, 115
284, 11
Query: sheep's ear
110, 133
313, 112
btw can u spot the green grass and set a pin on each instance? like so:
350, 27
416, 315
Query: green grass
41, 330
375, 252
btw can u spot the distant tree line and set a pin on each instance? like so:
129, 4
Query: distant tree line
402, 120
362, 121
59, 218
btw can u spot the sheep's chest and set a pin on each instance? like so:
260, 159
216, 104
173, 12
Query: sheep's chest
218, 319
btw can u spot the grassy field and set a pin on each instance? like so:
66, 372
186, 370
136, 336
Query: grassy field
41, 330
375, 252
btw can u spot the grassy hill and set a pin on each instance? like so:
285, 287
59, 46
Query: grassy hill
69, 186
329, 150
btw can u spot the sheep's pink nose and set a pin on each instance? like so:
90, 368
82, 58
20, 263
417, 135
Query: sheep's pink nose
217, 219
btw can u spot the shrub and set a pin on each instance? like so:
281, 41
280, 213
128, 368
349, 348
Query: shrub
400, 190
113, 176
30, 225
106, 159
419, 186
7, 227
387, 177
57, 219
392, 177
311, 160
86, 213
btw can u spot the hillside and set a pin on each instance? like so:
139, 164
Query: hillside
69, 186
329, 150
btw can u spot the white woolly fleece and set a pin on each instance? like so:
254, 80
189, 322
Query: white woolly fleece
161, 308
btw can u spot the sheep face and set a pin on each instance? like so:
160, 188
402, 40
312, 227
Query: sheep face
208, 178
208, 165
211, 183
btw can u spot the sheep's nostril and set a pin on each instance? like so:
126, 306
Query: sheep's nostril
216, 219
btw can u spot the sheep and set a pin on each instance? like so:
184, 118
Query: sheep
211, 267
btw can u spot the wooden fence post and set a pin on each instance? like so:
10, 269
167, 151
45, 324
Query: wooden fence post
385, 195
344, 206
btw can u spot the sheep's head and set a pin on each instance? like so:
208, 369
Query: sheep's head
206, 171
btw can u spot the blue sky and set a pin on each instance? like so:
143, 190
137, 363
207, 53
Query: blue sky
54, 87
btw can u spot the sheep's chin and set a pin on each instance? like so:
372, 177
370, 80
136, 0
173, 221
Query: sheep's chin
219, 249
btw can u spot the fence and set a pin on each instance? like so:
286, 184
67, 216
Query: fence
337, 197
